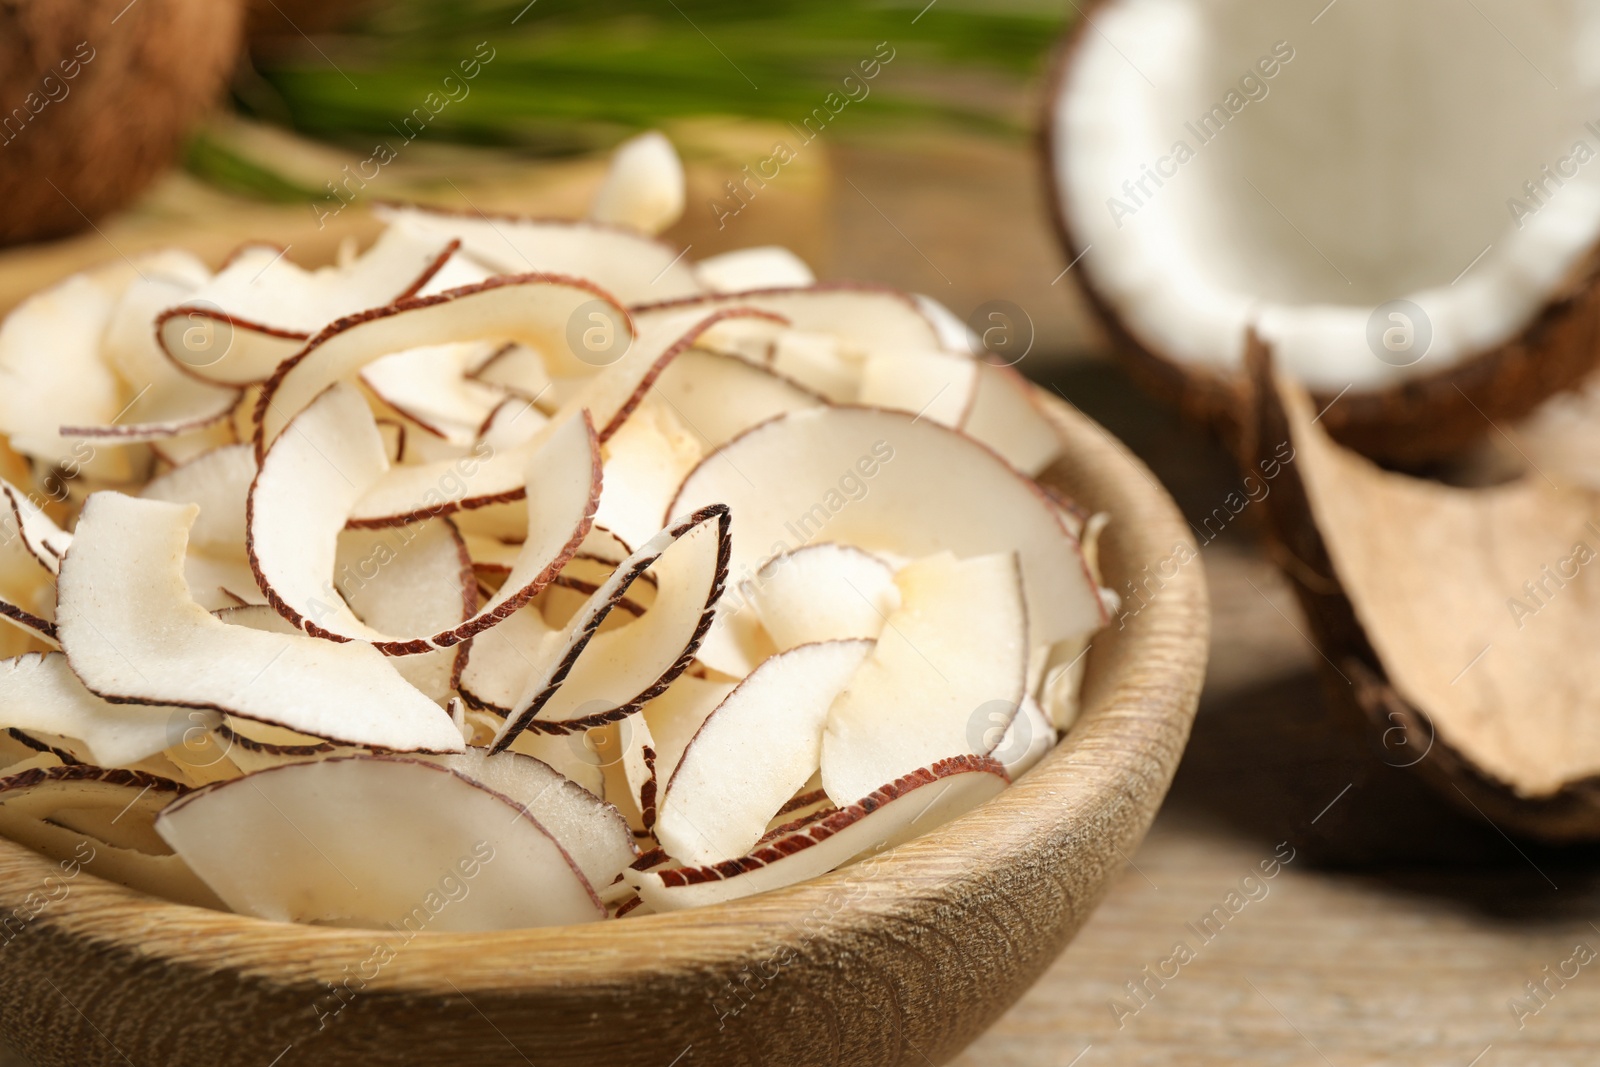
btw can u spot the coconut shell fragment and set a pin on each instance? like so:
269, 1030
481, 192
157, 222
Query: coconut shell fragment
1457, 624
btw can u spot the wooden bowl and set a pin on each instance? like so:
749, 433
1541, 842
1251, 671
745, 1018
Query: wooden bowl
902, 961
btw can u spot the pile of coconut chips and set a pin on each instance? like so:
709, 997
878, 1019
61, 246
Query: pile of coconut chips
524, 558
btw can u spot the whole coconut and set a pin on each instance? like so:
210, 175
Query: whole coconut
96, 97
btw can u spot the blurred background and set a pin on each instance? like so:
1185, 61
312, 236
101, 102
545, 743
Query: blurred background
922, 175
1400, 931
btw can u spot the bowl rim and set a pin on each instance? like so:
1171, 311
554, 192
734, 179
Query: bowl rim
1107, 776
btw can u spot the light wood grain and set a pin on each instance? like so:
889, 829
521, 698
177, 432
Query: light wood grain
903, 964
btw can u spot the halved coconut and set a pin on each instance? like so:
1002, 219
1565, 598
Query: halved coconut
894, 485
753, 753
1457, 624
134, 635
371, 842
881, 820
1430, 259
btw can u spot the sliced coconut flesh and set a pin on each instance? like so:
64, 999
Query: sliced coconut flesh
377, 843
331, 455
634, 267
40, 692
639, 768
512, 423
217, 565
163, 402
717, 397
881, 820
33, 529
125, 569
585, 678
501, 660
255, 746
626, 759
1243, 175
52, 373
261, 308
411, 579
936, 385
516, 369
753, 753
430, 387
674, 717
869, 318
27, 599
954, 653
100, 821
646, 460
643, 189
1004, 417
180, 449
593, 833
893, 485
822, 592
536, 310
494, 475
768, 267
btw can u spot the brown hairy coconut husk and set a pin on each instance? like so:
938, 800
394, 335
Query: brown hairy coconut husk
1279, 170
1455, 626
96, 97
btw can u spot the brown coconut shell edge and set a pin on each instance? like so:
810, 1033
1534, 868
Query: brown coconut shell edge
1425, 419
1360, 692
141, 75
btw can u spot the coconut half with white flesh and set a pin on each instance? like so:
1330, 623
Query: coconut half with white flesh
1412, 229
